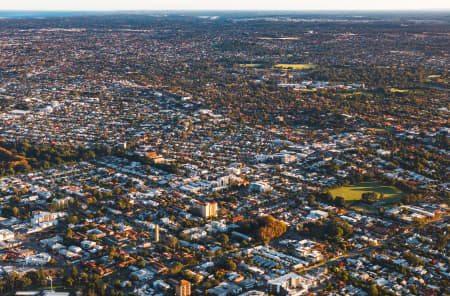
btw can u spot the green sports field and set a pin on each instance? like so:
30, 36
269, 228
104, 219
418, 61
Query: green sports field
354, 192
250, 65
295, 66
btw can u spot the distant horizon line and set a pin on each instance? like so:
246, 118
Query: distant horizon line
228, 10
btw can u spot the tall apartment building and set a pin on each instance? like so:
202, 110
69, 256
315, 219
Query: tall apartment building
157, 233
183, 288
206, 209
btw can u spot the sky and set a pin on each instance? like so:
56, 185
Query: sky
105, 5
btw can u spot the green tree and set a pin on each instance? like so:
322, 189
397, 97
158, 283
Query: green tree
340, 201
15, 212
176, 268
373, 290
223, 239
74, 272
173, 243
69, 282
229, 264
69, 233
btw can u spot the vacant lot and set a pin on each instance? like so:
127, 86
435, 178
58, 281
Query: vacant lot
354, 192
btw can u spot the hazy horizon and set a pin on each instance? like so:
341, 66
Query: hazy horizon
230, 5
229, 10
